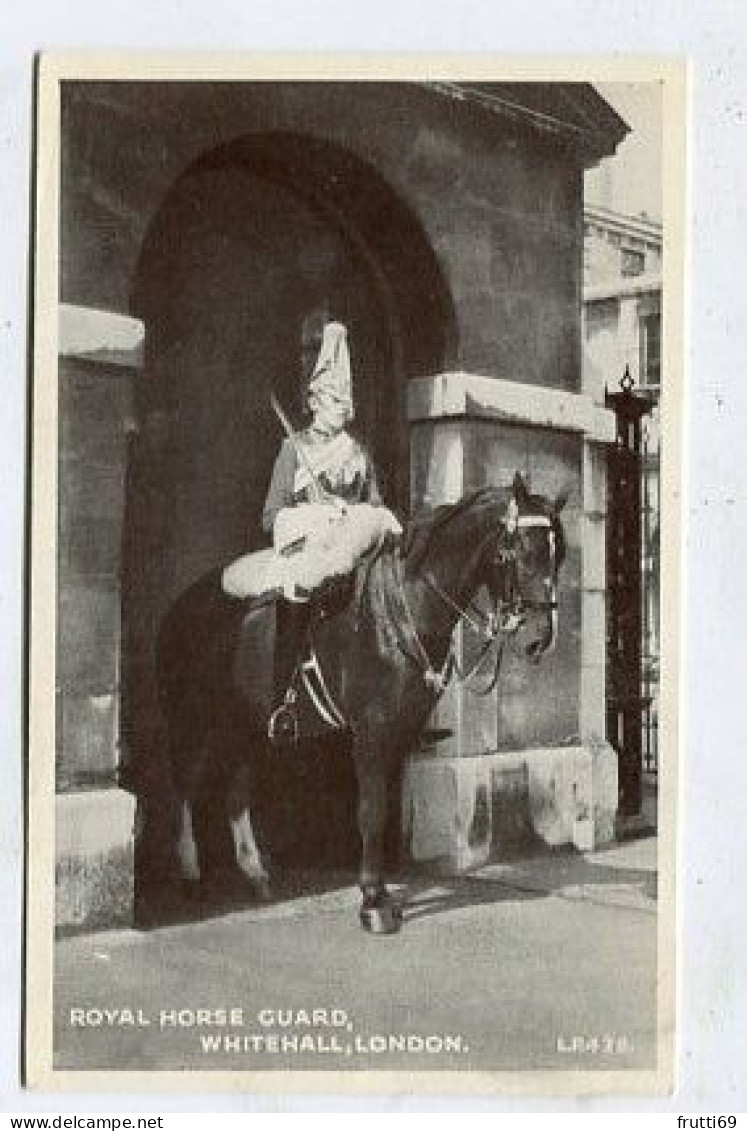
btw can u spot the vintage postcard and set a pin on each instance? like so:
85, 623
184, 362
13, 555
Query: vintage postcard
357, 406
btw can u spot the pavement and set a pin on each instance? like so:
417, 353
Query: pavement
544, 962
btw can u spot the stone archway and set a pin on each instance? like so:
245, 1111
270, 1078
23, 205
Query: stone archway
256, 244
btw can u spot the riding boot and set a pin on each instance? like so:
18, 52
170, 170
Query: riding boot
292, 626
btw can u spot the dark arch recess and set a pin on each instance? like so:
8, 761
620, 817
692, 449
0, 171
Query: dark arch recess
352, 196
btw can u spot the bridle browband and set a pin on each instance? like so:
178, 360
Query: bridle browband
508, 555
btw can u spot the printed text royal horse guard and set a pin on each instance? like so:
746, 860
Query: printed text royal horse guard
385, 658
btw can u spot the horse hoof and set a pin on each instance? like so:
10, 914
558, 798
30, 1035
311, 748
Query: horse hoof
381, 920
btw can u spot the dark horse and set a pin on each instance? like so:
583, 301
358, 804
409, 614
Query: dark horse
385, 658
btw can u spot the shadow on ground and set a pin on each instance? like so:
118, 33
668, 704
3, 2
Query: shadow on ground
562, 873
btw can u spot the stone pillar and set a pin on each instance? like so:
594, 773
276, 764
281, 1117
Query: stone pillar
99, 354
530, 760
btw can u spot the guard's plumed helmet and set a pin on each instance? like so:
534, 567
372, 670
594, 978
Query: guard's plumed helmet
331, 375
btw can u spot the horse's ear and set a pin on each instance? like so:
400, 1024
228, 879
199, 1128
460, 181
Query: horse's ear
560, 500
520, 490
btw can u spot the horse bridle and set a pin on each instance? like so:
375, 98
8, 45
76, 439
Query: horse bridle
508, 560
510, 607
511, 603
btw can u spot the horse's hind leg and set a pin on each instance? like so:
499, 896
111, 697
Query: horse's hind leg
186, 845
248, 857
187, 759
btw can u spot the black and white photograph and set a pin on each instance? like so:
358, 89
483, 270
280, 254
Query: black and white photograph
355, 574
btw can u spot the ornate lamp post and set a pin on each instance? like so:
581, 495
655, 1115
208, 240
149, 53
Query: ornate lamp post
625, 702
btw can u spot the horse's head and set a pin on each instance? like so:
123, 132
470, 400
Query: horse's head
522, 571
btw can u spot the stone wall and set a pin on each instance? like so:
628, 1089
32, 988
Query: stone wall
94, 880
95, 404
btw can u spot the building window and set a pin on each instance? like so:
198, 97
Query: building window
650, 332
632, 262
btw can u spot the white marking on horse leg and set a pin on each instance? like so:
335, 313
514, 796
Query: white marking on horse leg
186, 847
247, 853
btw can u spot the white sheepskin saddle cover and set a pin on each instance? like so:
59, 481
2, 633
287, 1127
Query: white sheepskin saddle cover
313, 543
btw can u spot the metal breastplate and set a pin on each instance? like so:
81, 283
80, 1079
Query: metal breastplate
341, 468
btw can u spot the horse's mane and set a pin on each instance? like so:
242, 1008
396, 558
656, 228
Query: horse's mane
426, 524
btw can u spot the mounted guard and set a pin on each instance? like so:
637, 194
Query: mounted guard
323, 510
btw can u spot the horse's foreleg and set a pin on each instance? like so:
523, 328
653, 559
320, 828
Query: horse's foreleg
186, 846
248, 857
380, 913
372, 813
